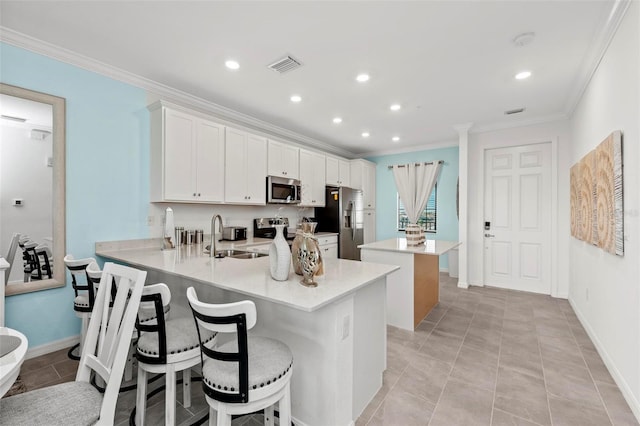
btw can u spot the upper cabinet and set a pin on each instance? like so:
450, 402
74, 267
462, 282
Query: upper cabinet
338, 172
283, 160
246, 167
187, 157
363, 176
312, 178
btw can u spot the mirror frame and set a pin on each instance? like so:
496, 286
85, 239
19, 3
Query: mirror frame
59, 185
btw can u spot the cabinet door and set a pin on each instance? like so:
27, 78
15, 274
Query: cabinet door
283, 160
179, 157
369, 186
344, 173
369, 226
312, 177
256, 170
210, 161
356, 174
332, 171
329, 251
235, 176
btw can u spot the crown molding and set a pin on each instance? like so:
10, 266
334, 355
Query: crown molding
599, 46
41, 47
413, 148
502, 125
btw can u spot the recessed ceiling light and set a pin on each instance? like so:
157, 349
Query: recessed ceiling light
395, 138
365, 134
523, 75
362, 78
296, 98
395, 107
337, 120
232, 65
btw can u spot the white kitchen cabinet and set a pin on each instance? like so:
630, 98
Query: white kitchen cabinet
246, 167
328, 246
338, 172
312, 178
363, 176
283, 160
369, 224
187, 157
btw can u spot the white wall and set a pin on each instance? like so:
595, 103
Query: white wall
24, 174
558, 134
611, 311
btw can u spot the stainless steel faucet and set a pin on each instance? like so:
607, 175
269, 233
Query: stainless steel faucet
212, 247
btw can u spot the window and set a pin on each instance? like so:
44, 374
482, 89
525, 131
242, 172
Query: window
428, 217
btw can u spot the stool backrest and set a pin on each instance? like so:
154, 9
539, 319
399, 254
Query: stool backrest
237, 317
79, 279
11, 254
109, 334
44, 256
94, 274
155, 298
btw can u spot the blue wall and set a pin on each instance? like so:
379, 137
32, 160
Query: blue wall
107, 181
386, 194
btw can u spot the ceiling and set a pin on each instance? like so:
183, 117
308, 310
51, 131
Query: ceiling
445, 62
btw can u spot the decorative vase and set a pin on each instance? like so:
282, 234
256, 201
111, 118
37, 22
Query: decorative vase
279, 256
415, 235
307, 260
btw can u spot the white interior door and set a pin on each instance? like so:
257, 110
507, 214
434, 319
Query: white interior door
517, 211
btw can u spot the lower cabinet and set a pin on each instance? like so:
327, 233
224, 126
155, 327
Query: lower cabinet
328, 246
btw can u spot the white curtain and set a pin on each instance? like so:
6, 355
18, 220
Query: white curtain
415, 183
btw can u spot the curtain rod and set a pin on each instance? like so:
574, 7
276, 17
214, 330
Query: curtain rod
421, 164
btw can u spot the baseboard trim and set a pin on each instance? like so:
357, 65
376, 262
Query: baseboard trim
634, 404
47, 348
462, 284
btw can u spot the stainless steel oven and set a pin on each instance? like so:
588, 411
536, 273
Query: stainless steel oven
282, 190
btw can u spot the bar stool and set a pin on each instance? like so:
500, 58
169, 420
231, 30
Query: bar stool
166, 344
246, 374
85, 293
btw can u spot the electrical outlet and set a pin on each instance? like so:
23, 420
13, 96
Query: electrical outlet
150, 220
346, 322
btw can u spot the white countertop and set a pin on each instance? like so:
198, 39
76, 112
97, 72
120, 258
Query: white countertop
247, 276
431, 247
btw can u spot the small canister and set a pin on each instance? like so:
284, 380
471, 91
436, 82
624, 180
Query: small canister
189, 236
179, 235
198, 236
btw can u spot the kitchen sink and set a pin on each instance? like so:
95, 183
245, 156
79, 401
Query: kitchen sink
248, 255
236, 254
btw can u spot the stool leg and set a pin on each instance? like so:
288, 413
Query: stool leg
224, 418
186, 387
268, 416
170, 396
141, 397
213, 417
128, 367
83, 332
284, 407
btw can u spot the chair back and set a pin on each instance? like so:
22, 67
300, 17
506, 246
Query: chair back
44, 256
109, 334
237, 317
79, 278
94, 274
151, 319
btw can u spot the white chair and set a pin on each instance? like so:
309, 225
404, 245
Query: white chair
246, 374
11, 254
84, 291
166, 344
104, 354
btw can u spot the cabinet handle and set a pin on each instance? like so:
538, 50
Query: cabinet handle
249, 197
198, 194
194, 194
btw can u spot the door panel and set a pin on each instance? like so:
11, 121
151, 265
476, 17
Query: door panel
518, 211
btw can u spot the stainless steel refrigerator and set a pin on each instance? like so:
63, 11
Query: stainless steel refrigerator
343, 214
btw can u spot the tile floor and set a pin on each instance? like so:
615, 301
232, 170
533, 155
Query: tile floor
483, 356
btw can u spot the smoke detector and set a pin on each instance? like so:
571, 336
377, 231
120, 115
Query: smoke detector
523, 39
288, 63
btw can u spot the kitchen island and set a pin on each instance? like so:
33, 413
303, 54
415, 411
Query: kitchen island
413, 290
336, 331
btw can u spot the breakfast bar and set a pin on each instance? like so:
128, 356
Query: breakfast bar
336, 331
412, 290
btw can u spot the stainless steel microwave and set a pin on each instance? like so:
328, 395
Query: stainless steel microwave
282, 190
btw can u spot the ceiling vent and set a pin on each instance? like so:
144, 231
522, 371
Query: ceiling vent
514, 111
285, 64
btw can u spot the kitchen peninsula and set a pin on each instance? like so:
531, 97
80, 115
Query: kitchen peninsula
336, 331
413, 290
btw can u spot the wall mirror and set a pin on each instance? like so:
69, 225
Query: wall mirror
32, 186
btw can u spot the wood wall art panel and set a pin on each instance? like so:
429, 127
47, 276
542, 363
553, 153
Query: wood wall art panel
574, 189
609, 212
588, 228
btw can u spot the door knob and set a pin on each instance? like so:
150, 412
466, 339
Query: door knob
489, 235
